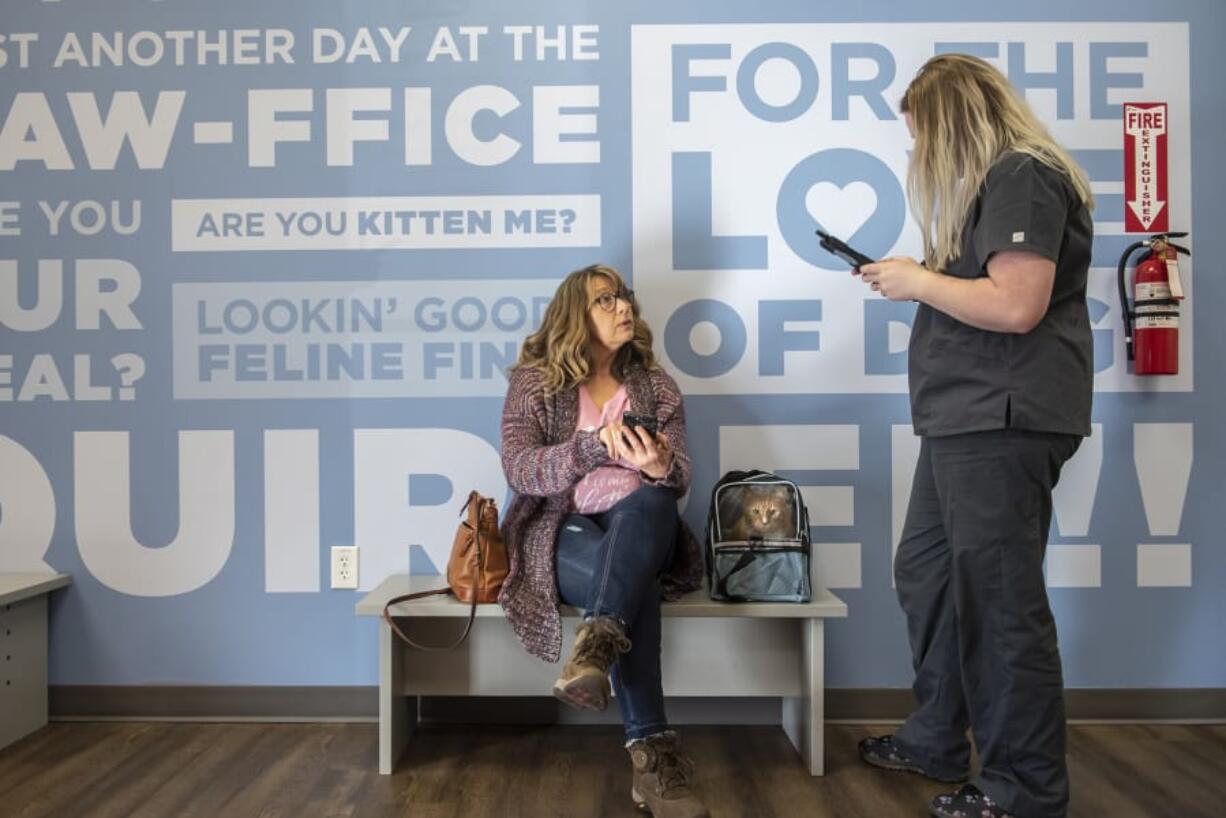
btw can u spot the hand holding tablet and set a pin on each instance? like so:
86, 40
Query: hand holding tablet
839, 248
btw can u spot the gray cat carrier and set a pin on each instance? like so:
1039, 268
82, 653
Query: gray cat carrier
758, 539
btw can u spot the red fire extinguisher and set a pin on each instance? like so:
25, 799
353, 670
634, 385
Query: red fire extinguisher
1157, 291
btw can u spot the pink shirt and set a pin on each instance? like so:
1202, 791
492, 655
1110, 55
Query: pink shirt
602, 488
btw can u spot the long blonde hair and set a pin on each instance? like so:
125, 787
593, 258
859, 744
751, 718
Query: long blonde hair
966, 116
559, 348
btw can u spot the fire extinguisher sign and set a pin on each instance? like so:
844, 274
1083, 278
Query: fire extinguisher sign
1145, 194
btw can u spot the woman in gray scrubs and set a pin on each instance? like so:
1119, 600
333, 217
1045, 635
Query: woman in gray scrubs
1000, 375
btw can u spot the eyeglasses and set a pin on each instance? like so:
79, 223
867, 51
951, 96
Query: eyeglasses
607, 300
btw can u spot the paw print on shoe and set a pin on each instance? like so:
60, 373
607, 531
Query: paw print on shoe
967, 802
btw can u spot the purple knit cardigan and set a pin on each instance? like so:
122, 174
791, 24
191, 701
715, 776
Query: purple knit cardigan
543, 457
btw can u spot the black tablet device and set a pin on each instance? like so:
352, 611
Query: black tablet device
839, 248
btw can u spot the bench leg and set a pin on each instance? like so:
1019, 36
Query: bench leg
397, 712
804, 716
23, 691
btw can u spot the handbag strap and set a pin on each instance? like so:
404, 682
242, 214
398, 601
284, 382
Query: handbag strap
391, 620
472, 609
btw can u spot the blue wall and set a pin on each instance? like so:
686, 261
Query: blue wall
169, 438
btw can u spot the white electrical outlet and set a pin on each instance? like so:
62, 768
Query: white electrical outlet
344, 566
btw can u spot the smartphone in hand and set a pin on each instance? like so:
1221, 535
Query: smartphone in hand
647, 422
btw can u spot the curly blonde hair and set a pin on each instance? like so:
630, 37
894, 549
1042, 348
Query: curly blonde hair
966, 116
559, 348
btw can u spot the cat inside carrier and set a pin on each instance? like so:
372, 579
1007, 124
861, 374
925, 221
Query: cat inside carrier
758, 539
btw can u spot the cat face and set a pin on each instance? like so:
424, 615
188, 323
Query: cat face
768, 509
763, 513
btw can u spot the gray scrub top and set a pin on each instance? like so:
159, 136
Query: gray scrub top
965, 379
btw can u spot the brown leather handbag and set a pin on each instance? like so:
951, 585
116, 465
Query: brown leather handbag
475, 571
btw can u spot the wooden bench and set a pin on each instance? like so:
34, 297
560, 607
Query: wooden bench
23, 652
710, 649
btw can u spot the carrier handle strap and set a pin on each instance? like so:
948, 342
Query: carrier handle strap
741, 564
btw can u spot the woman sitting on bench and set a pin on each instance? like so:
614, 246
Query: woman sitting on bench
594, 522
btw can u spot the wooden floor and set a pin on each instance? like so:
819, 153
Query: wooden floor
264, 771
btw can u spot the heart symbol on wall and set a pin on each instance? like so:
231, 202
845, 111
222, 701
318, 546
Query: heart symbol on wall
841, 211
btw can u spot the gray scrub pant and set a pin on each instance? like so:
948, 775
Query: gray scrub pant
969, 574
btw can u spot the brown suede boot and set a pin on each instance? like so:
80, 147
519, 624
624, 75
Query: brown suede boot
584, 681
662, 775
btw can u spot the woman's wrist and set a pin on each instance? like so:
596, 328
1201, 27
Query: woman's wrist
664, 468
927, 282
591, 450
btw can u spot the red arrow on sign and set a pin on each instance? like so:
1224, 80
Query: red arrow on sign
1145, 174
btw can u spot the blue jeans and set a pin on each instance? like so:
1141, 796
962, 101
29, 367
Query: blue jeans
608, 564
